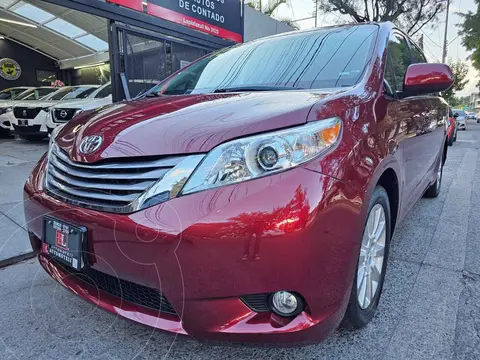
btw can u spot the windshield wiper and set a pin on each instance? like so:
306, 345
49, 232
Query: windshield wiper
254, 88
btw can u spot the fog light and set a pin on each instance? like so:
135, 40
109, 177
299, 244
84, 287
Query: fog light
285, 303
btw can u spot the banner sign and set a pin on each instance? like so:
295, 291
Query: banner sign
222, 18
132, 4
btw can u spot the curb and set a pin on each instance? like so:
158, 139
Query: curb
16, 259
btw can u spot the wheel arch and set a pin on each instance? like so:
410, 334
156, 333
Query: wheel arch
389, 181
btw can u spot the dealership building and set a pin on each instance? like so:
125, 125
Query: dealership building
132, 43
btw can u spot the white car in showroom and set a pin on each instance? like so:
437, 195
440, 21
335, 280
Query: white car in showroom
66, 111
30, 117
12, 97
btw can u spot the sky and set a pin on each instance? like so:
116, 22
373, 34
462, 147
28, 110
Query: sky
433, 35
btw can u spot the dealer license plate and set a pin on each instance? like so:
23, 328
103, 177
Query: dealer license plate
65, 242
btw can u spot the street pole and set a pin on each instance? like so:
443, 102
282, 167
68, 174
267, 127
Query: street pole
316, 12
445, 45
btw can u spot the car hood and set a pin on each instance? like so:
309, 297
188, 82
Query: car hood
8, 103
185, 124
88, 104
37, 103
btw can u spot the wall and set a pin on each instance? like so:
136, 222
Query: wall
28, 60
258, 25
94, 75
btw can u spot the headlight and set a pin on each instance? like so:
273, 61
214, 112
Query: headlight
262, 155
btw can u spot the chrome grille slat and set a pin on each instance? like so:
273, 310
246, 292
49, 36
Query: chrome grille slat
115, 185
152, 175
167, 162
97, 185
89, 194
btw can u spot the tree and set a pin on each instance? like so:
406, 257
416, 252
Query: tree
410, 15
460, 71
268, 7
470, 34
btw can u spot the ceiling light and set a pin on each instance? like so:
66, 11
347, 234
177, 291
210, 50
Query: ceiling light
18, 22
89, 65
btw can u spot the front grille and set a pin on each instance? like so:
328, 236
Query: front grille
123, 289
257, 302
63, 115
26, 113
109, 185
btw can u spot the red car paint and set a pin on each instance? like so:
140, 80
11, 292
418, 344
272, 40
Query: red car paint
452, 128
199, 248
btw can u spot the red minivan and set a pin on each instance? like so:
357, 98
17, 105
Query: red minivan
253, 195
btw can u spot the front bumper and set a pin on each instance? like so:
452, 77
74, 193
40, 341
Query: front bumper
6, 120
36, 126
297, 231
461, 126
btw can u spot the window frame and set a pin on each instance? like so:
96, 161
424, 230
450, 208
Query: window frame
389, 62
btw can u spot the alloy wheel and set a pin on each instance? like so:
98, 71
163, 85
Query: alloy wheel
372, 254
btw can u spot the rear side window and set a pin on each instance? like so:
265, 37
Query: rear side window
400, 60
106, 91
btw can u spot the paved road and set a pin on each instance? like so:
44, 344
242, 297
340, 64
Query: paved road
17, 158
430, 308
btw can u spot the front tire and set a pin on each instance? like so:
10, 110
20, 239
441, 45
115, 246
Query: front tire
372, 263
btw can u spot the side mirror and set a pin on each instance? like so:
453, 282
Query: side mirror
427, 79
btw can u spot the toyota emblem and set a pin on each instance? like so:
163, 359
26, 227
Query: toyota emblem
90, 144
24, 113
63, 114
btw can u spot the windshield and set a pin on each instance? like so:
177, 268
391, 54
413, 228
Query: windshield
11, 94
327, 58
35, 94
459, 112
69, 93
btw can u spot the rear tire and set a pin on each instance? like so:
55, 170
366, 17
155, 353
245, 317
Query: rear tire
361, 311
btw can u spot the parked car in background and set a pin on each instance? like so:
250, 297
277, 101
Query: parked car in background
6, 106
461, 118
472, 116
30, 117
452, 128
258, 203
66, 111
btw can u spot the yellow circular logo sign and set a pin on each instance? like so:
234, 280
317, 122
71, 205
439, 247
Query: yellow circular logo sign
10, 69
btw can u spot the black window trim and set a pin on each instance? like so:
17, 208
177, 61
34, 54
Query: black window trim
389, 63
